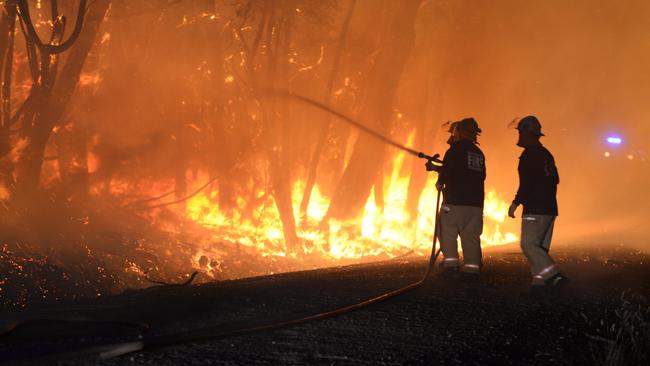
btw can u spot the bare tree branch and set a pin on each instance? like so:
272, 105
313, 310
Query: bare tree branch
52, 48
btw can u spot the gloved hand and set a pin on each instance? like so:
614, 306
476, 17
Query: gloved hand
439, 186
429, 165
512, 209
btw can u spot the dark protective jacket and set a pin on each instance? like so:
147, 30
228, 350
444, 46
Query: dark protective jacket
538, 180
463, 174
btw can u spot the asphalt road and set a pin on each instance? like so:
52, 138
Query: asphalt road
493, 321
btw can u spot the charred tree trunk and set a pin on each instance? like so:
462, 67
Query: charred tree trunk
279, 159
325, 128
366, 160
250, 50
72, 142
274, 27
224, 157
7, 36
54, 98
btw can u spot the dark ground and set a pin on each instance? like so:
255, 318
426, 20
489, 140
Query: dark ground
442, 322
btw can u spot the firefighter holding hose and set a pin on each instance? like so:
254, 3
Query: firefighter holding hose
461, 179
538, 180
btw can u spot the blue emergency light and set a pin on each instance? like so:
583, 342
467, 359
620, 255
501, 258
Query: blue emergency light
614, 140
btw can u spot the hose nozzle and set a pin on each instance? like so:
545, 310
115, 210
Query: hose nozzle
435, 158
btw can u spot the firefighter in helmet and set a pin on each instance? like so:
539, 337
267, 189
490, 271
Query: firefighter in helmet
538, 180
461, 179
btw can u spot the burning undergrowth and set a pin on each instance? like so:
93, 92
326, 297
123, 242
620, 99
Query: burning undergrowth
123, 237
72, 252
137, 154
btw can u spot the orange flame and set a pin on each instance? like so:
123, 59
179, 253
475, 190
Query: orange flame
386, 232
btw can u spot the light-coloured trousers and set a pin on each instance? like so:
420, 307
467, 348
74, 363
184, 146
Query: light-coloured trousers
536, 235
466, 222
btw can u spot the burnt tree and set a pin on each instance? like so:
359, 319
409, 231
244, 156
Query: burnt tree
276, 134
325, 128
7, 37
366, 159
52, 89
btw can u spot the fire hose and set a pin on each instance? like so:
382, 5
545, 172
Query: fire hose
214, 333
344, 118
